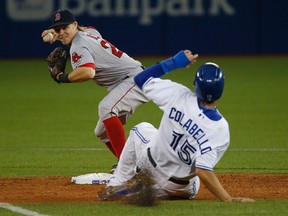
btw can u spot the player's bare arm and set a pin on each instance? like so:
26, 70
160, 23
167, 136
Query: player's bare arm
211, 181
81, 74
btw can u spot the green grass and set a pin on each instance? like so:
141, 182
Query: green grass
203, 208
47, 130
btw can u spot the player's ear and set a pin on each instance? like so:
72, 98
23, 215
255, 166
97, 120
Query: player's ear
75, 24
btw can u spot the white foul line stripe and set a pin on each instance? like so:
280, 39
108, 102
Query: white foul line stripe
20, 210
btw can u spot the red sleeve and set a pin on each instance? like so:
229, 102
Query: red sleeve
91, 65
91, 27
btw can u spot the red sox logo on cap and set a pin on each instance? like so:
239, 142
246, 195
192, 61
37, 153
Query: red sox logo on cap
57, 16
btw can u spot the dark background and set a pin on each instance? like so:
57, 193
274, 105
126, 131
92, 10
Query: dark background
253, 27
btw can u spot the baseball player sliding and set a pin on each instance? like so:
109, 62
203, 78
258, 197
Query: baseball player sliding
94, 58
191, 139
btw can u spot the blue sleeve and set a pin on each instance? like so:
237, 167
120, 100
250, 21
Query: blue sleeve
153, 71
178, 61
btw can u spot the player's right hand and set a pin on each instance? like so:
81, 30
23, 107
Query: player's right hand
55, 35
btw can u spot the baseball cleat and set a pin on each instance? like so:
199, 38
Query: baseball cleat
137, 191
121, 191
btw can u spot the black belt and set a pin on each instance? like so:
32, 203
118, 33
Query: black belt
154, 164
178, 181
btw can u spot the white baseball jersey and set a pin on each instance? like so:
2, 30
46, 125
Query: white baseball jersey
185, 133
111, 64
185, 136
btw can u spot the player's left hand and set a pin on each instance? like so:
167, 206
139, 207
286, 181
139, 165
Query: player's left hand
57, 63
192, 57
242, 199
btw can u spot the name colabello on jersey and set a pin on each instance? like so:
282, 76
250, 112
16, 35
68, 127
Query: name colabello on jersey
192, 128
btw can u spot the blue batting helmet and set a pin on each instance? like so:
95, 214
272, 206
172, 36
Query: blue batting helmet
209, 82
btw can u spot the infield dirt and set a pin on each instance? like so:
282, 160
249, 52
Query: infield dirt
60, 189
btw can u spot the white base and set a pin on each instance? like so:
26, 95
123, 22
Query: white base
92, 178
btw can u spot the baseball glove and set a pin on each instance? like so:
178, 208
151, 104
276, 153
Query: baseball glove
57, 63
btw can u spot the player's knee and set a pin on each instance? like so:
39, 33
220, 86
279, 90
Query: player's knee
100, 134
145, 126
96, 132
105, 109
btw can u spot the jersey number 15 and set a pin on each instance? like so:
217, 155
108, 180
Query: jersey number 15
186, 150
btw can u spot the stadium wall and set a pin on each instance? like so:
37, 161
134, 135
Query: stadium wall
153, 27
